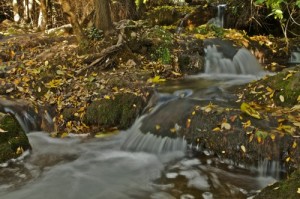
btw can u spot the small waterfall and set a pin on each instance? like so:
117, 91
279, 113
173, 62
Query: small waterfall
221, 58
219, 19
149, 142
295, 57
220, 15
26, 115
180, 26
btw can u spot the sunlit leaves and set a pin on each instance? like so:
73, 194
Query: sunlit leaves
54, 83
286, 128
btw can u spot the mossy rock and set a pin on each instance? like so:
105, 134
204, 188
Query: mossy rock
119, 112
13, 141
285, 85
288, 189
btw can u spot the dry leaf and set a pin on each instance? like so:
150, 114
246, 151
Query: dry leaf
246, 108
243, 148
281, 98
225, 125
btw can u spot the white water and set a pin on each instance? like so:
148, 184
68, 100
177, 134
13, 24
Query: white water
243, 63
75, 168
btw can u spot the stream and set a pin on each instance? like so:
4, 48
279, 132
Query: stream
98, 168
78, 167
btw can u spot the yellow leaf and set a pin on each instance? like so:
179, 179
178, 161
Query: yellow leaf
54, 83
287, 128
273, 136
294, 144
156, 79
188, 123
9, 90
173, 130
225, 125
20, 150
60, 72
2, 131
175, 73
259, 139
243, 148
106, 97
207, 109
251, 137
288, 159
246, 108
288, 76
295, 108
69, 124
216, 129
298, 191
281, 98
65, 134
298, 99
246, 124
297, 124
157, 127
21, 89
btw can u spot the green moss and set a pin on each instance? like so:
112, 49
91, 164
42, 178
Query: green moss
119, 112
286, 87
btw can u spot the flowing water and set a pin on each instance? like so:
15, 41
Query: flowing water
135, 165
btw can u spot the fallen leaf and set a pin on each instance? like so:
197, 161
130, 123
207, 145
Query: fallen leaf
225, 125
188, 123
246, 108
156, 79
281, 98
157, 127
295, 108
20, 150
243, 148
288, 76
246, 124
216, 129
173, 130
106, 97
294, 145
2, 131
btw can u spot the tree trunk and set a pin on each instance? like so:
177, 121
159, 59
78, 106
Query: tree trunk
16, 11
67, 8
103, 18
43, 15
123, 9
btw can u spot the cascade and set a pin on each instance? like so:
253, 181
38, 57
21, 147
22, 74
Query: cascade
220, 15
223, 58
219, 19
295, 57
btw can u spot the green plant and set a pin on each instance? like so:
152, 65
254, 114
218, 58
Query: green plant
283, 10
94, 33
164, 55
